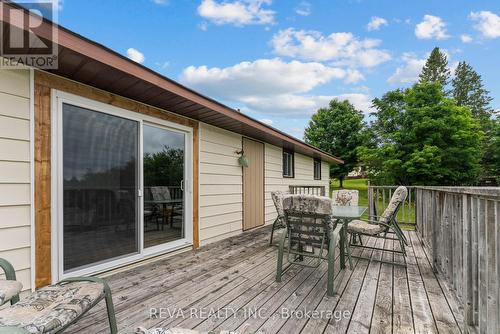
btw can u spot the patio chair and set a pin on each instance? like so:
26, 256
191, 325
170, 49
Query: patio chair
383, 225
9, 287
345, 197
52, 309
309, 232
279, 222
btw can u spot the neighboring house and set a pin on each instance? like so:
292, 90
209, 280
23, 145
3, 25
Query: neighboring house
83, 150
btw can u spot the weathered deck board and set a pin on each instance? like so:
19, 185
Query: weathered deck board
236, 277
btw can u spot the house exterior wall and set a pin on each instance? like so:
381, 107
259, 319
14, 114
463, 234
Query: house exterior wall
15, 172
221, 182
274, 180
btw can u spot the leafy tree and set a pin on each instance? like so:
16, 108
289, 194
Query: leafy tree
338, 130
468, 91
491, 157
164, 168
423, 138
436, 68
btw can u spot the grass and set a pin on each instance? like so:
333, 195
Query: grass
361, 185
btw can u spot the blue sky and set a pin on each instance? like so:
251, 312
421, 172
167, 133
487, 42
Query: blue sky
279, 61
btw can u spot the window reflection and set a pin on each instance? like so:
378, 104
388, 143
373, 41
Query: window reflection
100, 171
163, 186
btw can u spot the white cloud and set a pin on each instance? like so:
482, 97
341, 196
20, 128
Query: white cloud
376, 22
304, 8
203, 26
260, 77
135, 55
161, 2
293, 105
238, 13
465, 38
431, 27
270, 86
409, 71
488, 23
353, 76
266, 121
342, 48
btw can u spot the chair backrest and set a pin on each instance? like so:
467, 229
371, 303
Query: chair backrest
307, 218
160, 193
277, 197
345, 197
398, 197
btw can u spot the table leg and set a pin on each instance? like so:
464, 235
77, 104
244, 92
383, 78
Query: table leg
347, 248
342, 248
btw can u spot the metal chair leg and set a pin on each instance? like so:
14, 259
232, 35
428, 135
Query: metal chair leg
279, 269
331, 266
111, 309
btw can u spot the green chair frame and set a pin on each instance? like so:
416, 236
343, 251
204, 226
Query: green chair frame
392, 228
11, 275
327, 239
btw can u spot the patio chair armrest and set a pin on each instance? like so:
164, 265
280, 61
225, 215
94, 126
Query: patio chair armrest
107, 289
8, 269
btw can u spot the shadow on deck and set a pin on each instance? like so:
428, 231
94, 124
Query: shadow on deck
229, 285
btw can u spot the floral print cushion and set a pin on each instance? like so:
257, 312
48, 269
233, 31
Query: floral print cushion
398, 197
345, 197
361, 226
277, 197
308, 204
307, 231
9, 289
49, 309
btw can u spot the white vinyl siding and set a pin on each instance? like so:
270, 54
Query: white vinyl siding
274, 180
15, 172
221, 184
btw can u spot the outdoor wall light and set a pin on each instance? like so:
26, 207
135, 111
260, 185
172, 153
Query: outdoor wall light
242, 160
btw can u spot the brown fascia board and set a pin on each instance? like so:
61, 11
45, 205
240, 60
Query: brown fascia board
88, 48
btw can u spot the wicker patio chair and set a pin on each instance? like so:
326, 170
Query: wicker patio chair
383, 225
52, 309
309, 232
9, 287
279, 222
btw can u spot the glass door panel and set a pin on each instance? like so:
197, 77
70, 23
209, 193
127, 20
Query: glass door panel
163, 161
100, 187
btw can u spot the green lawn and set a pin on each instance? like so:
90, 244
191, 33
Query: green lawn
362, 186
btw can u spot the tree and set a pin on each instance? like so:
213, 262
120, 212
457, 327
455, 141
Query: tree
338, 130
468, 91
436, 68
491, 157
423, 138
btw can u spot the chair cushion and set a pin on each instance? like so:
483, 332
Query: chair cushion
361, 226
49, 309
277, 197
397, 198
345, 197
9, 289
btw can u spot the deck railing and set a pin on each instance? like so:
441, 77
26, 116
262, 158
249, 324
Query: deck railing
308, 190
379, 197
460, 230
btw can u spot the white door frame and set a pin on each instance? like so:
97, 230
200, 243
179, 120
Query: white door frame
57, 100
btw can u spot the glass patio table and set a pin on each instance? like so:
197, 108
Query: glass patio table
345, 214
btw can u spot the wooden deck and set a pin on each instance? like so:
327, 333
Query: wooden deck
230, 285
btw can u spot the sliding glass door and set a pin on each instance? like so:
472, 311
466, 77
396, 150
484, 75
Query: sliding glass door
121, 186
163, 161
100, 185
